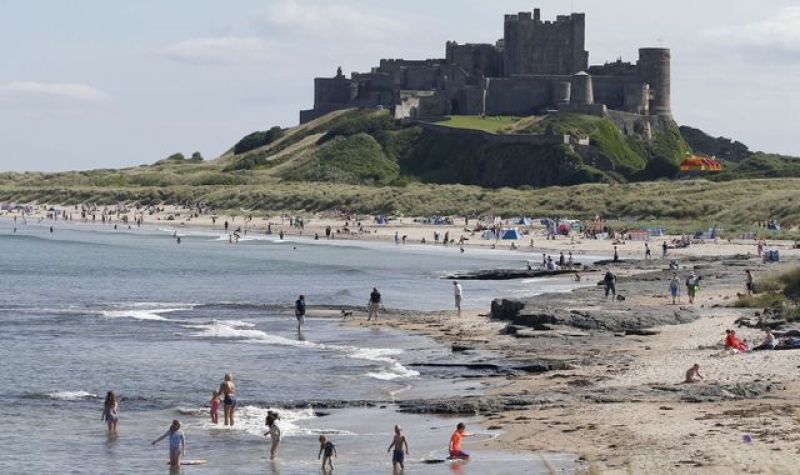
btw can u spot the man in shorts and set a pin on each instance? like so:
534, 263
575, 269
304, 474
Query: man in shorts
374, 304
300, 310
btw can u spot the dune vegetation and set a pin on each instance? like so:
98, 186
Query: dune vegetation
365, 162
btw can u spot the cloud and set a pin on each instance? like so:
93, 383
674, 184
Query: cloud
79, 92
779, 34
334, 21
228, 49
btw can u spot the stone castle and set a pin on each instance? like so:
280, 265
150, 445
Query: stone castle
537, 66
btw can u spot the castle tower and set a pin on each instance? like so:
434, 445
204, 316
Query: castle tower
536, 47
582, 90
654, 69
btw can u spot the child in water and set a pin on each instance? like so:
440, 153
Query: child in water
274, 433
455, 442
215, 407
329, 449
177, 443
399, 442
111, 411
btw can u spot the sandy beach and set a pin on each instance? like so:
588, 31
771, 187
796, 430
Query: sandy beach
617, 400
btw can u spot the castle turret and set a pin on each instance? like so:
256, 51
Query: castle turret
654, 69
561, 92
582, 93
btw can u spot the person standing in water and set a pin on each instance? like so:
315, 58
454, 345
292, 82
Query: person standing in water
274, 433
300, 310
215, 407
228, 391
457, 291
326, 448
177, 443
374, 304
398, 443
111, 411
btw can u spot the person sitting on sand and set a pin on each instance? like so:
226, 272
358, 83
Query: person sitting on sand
733, 343
769, 343
693, 374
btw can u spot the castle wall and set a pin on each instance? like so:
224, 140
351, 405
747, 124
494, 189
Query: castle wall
506, 139
476, 59
520, 95
335, 90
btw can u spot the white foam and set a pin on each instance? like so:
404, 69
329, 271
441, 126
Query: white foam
250, 419
244, 331
395, 371
71, 395
152, 315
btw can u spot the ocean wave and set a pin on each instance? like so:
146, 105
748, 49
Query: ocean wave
244, 331
395, 371
134, 314
65, 396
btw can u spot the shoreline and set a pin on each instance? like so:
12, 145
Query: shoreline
618, 400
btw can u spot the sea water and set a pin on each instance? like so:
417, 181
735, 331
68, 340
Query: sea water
86, 309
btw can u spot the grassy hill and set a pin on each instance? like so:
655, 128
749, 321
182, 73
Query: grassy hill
365, 162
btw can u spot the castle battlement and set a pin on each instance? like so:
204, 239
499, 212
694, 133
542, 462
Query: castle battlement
534, 67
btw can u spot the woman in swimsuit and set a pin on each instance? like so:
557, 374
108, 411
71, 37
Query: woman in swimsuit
228, 390
111, 411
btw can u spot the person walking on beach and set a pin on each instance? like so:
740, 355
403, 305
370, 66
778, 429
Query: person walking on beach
300, 310
274, 433
455, 443
647, 252
177, 443
609, 283
749, 283
111, 411
457, 291
398, 443
664, 248
691, 286
228, 391
674, 287
374, 304
327, 448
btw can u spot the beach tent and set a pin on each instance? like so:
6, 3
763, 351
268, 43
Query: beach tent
523, 221
511, 234
489, 234
381, 219
700, 164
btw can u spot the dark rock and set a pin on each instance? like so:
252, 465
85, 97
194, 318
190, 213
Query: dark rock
638, 332
507, 274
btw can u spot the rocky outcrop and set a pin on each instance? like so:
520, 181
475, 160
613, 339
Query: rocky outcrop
612, 317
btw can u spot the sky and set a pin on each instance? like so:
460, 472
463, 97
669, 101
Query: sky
91, 84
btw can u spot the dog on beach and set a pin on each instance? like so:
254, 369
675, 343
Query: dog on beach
620, 298
346, 313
